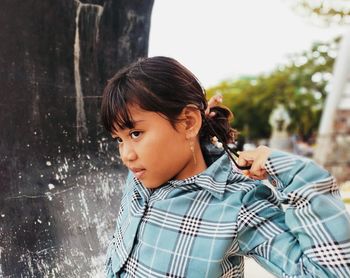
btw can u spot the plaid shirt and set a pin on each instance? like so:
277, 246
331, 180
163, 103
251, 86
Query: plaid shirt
204, 225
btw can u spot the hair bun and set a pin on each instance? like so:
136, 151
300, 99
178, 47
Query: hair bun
220, 123
221, 112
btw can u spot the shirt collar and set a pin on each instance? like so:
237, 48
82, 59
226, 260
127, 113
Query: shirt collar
190, 180
213, 179
144, 192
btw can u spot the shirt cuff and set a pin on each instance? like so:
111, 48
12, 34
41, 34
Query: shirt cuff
278, 167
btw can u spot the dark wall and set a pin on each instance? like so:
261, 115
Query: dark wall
60, 177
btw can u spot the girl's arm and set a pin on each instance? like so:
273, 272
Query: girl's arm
311, 238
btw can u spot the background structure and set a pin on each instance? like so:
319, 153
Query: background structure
59, 173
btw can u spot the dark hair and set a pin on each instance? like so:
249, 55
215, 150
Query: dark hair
160, 84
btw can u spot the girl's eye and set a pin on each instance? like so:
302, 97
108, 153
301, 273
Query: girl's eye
135, 134
118, 140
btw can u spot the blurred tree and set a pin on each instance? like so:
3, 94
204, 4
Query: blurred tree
301, 85
324, 11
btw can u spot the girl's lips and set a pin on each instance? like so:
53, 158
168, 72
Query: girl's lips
138, 172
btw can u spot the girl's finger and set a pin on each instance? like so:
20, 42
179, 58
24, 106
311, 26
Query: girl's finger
257, 167
215, 100
258, 175
212, 114
245, 158
256, 158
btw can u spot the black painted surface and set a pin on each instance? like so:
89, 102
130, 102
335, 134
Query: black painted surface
59, 175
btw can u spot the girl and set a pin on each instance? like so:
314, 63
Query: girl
188, 210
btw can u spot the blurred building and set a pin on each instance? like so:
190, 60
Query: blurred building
333, 142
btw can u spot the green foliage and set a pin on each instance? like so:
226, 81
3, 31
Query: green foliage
324, 11
301, 85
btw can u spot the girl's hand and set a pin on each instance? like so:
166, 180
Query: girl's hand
256, 158
213, 101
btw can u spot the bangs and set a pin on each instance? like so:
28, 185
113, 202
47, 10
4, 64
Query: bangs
119, 94
117, 97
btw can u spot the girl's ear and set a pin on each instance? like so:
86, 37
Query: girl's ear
191, 120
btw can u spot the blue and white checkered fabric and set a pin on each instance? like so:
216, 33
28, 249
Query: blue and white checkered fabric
204, 225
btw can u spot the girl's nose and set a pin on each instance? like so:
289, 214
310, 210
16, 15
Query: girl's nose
127, 154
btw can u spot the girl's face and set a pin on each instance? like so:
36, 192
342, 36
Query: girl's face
153, 150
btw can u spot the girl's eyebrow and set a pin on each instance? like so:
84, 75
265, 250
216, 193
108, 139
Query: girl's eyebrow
138, 121
134, 123
115, 134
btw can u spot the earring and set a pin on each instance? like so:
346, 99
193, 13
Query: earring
215, 142
192, 150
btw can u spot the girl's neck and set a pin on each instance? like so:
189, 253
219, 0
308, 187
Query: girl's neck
195, 165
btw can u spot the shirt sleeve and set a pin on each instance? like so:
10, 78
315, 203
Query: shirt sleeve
311, 236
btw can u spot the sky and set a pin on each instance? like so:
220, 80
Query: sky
224, 39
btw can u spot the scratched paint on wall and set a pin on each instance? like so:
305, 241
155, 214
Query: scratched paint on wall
60, 176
